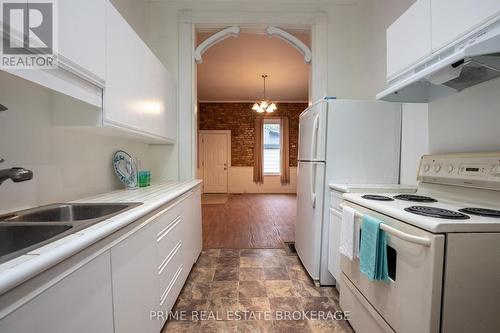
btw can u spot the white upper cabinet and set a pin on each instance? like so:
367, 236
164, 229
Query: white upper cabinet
409, 38
452, 19
82, 38
80, 33
139, 93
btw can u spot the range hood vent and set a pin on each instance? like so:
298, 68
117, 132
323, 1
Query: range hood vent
471, 72
471, 62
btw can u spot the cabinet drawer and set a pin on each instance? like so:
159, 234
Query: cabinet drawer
169, 294
169, 233
364, 318
169, 265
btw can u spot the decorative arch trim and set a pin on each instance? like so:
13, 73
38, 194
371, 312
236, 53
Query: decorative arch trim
218, 37
292, 40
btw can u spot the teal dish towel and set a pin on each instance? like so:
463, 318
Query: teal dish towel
373, 251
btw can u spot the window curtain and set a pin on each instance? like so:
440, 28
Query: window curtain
258, 152
285, 152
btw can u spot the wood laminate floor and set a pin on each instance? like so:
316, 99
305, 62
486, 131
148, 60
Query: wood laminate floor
250, 221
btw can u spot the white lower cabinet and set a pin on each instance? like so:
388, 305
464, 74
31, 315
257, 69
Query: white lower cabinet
150, 267
334, 243
192, 234
80, 302
179, 244
137, 270
135, 282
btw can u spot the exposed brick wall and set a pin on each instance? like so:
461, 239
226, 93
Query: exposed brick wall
240, 119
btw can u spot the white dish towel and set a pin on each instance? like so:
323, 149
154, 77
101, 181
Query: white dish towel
349, 234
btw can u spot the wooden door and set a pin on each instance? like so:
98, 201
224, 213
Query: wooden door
215, 162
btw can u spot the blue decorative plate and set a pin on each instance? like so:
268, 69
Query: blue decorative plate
125, 169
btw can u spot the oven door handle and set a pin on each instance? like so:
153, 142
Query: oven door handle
424, 241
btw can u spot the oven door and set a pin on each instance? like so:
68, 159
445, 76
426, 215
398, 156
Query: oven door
411, 301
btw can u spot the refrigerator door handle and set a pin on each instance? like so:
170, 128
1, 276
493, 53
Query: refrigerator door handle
313, 185
314, 139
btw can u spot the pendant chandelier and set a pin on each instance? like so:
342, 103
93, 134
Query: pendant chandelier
264, 105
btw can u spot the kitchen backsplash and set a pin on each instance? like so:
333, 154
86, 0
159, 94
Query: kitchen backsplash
68, 163
466, 122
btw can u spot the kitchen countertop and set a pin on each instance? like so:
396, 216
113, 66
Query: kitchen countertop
375, 188
24, 267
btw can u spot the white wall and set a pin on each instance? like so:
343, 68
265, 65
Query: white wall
137, 14
240, 180
375, 17
355, 34
68, 163
466, 122
347, 51
414, 140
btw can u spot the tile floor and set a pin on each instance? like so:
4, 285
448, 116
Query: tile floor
263, 285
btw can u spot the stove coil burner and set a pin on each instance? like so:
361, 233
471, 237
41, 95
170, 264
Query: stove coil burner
377, 197
437, 212
481, 212
414, 197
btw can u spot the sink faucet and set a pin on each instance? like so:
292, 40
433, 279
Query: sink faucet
17, 175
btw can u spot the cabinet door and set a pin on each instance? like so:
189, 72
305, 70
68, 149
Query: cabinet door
452, 19
139, 91
81, 47
82, 34
79, 303
334, 243
193, 231
409, 38
135, 282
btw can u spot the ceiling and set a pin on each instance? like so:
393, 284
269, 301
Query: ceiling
232, 69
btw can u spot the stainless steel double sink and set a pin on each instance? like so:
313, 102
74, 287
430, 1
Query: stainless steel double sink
26, 230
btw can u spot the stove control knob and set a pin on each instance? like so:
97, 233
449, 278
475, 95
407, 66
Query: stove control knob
427, 167
450, 168
437, 167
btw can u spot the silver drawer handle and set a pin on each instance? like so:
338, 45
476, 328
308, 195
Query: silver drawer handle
169, 228
424, 241
163, 297
169, 257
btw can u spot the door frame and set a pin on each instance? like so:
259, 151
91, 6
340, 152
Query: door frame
201, 152
190, 20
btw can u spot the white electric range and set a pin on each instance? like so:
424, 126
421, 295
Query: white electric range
443, 251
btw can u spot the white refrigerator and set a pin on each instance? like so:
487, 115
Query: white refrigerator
340, 141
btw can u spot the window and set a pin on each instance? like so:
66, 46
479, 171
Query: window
272, 146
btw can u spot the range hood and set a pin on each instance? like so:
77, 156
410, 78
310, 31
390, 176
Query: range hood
472, 61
